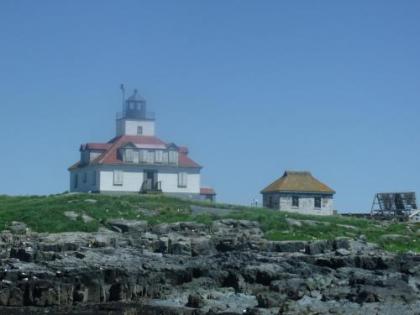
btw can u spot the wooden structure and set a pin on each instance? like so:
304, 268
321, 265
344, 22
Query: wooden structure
394, 205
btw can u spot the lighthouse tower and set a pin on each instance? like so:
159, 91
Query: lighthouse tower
135, 120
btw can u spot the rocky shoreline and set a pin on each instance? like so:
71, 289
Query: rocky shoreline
188, 268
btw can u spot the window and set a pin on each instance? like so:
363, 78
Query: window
159, 156
150, 156
182, 180
139, 130
75, 180
295, 201
317, 202
85, 157
142, 155
173, 157
270, 202
118, 178
94, 178
164, 156
84, 177
129, 155
146, 156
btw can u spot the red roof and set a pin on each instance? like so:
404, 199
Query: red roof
207, 191
111, 150
137, 140
185, 161
95, 146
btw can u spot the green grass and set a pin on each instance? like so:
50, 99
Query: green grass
46, 214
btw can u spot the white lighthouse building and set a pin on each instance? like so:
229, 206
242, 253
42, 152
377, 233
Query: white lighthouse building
136, 161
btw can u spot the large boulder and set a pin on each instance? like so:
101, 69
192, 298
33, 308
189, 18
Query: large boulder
286, 246
128, 226
18, 227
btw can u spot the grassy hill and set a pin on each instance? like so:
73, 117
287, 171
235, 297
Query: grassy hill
87, 212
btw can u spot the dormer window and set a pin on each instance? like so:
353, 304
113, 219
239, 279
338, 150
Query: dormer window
173, 157
150, 157
129, 155
159, 156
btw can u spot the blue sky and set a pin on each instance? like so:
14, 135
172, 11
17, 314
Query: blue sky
252, 87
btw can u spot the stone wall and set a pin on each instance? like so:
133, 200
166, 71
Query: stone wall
283, 202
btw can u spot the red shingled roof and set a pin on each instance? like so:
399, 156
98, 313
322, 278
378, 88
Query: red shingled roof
111, 149
185, 161
137, 140
207, 191
95, 146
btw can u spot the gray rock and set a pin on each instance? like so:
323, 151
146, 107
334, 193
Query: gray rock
128, 226
189, 268
86, 218
286, 246
293, 222
394, 237
343, 252
319, 247
93, 201
195, 300
18, 227
72, 215
179, 246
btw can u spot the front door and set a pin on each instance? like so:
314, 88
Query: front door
150, 177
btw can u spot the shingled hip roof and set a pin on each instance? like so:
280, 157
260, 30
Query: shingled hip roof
302, 182
110, 150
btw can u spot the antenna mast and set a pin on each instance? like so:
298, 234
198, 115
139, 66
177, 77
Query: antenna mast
123, 94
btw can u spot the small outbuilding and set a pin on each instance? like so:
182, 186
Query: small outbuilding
299, 192
208, 194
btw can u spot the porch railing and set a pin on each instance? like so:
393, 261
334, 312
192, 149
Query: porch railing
150, 186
